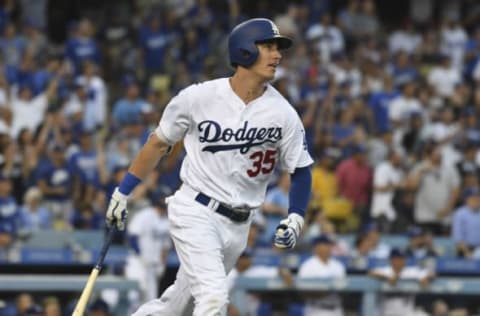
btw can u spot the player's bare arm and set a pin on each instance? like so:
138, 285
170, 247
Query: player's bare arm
148, 157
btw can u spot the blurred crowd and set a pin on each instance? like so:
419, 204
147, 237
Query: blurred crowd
390, 110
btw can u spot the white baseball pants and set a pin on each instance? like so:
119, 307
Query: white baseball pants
208, 245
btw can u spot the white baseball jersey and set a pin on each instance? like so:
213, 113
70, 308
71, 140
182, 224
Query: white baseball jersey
232, 148
152, 232
153, 239
399, 304
313, 267
385, 174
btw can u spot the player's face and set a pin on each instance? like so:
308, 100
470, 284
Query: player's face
268, 59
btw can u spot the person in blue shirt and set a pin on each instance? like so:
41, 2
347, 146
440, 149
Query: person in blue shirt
379, 103
275, 207
155, 39
55, 180
131, 107
9, 213
85, 217
82, 46
12, 46
466, 223
34, 216
472, 53
194, 50
84, 168
402, 69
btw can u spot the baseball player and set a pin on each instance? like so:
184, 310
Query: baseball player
235, 131
398, 304
149, 243
322, 265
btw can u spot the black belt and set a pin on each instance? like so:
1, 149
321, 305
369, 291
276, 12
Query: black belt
235, 216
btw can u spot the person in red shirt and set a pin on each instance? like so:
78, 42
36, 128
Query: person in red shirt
354, 177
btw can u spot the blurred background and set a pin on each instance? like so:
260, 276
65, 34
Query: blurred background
388, 91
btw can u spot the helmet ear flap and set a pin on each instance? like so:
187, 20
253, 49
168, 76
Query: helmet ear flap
245, 53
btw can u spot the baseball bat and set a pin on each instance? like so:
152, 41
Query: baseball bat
87, 290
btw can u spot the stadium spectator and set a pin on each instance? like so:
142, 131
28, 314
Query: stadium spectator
444, 77
387, 180
379, 103
84, 167
82, 45
9, 213
399, 304
131, 107
12, 45
402, 106
466, 221
28, 111
436, 187
420, 245
379, 249
406, 39
23, 302
86, 218
155, 38
359, 255
55, 180
33, 215
51, 306
354, 178
275, 206
326, 38
453, 41
99, 308
95, 107
34, 310
241, 303
322, 265
324, 181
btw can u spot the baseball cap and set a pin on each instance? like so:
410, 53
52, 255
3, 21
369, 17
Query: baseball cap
359, 149
471, 192
332, 152
397, 253
369, 227
128, 80
99, 305
414, 231
322, 239
34, 310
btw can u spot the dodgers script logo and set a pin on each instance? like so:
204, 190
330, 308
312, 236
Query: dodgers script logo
243, 138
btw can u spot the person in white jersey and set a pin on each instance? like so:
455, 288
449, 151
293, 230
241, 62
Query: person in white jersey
399, 304
322, 265
235, 131
149, 244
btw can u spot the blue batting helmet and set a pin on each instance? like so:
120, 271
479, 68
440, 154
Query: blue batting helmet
241, 42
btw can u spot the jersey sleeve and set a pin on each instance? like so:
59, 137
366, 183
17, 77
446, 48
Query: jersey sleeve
293, 146
136, 225
175, 120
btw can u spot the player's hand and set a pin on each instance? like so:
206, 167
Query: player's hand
288, 231
117, 210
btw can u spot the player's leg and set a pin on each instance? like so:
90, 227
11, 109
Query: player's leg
176, 300
203, 241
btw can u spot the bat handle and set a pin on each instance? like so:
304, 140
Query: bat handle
103, 251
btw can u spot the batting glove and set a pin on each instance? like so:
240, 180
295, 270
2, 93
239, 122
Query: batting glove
117, 210
288, 231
